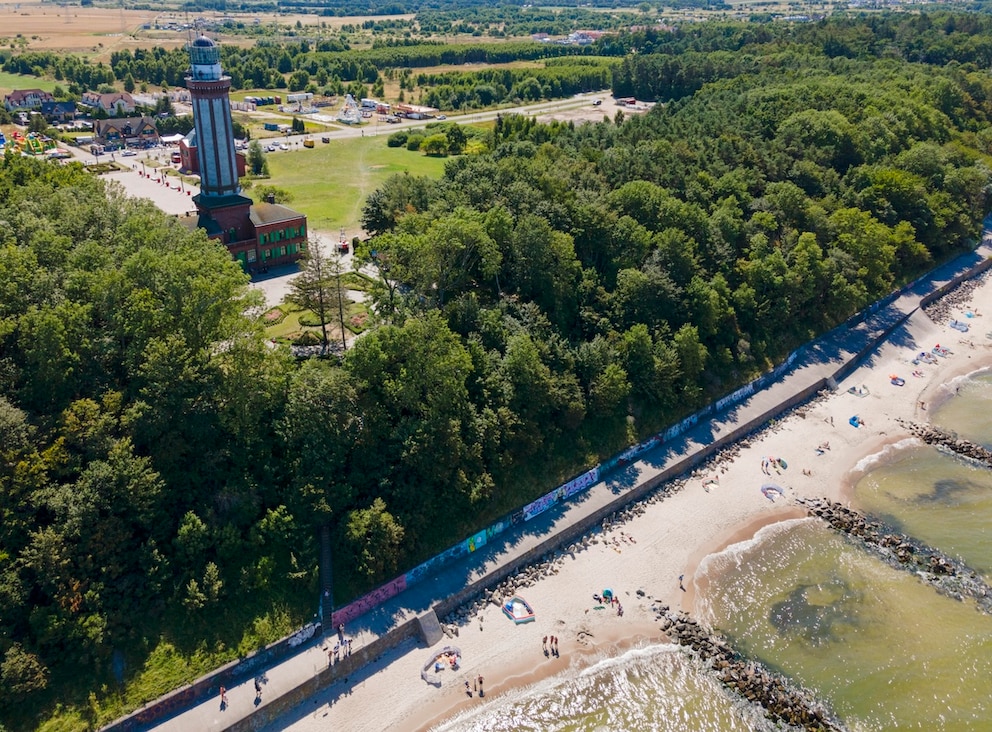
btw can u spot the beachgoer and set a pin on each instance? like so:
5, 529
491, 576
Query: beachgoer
223, 698
437, 667
923, 405
341, 632
681, 586
258, 690
544, 645
468, 689
480, 685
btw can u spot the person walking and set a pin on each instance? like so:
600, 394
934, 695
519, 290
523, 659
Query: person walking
544, 645
479, 682
258, 690
681, 586
223, 698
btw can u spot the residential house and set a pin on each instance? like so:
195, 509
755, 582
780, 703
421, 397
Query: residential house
115, 134
116, 103
22, 99
59, 111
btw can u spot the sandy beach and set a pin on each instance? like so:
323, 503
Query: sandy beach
641, 560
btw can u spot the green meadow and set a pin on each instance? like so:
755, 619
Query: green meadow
330, 182
10, 82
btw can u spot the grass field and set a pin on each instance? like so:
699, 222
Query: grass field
330, 182
10, 82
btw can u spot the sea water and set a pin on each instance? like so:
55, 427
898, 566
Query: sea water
655, 689
880, 647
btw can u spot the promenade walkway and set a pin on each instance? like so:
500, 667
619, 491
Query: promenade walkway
815, 362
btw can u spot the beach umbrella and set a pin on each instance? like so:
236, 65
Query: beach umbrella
607, 594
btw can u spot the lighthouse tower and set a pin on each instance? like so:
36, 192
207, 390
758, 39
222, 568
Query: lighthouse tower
215, 152
258, 235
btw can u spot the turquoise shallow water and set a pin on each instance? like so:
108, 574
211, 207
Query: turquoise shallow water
879, 646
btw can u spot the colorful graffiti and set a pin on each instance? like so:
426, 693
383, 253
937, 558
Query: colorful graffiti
369, 602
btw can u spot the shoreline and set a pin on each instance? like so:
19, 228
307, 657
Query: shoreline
641, 557
518, 676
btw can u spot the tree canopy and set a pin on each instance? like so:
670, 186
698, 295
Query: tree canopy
540, 306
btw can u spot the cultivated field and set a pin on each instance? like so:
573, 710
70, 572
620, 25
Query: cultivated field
98, 31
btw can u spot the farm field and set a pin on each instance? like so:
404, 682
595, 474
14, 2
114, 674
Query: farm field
330, 182
99, 31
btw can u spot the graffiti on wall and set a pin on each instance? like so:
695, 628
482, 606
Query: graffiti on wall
369, 602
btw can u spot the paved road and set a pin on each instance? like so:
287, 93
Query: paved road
820, 359
375, 128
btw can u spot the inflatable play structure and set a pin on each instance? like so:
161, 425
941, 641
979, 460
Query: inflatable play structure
518, 610
32, 144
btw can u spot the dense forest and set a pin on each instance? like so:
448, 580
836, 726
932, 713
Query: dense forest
163, 471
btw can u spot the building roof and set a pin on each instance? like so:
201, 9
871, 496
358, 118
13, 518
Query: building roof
119, 123
19, 95
57, 107
264, 214
106, 101
215, 202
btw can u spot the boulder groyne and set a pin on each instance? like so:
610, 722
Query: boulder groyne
938, 437
949, 576
782, 700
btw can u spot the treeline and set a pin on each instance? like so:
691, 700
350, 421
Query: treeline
513, 22
267, 65
478, 89
669, 63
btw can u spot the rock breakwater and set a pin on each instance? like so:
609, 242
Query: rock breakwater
942, 438
947, 575
781, 699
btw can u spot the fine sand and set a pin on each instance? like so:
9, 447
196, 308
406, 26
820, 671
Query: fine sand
670, 538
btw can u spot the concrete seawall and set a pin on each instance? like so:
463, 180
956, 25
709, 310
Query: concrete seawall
889, 317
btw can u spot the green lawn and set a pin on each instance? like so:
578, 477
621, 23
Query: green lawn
331, 181
356, 314
10, 82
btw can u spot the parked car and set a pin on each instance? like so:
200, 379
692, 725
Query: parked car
128, 154
442, 117
271, 148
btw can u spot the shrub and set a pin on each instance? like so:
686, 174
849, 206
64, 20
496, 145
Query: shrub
306, 338
312, 320
273, 316
413, 142
397, 139
358, 322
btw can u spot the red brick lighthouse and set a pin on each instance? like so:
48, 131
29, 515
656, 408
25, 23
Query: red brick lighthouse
258, 235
